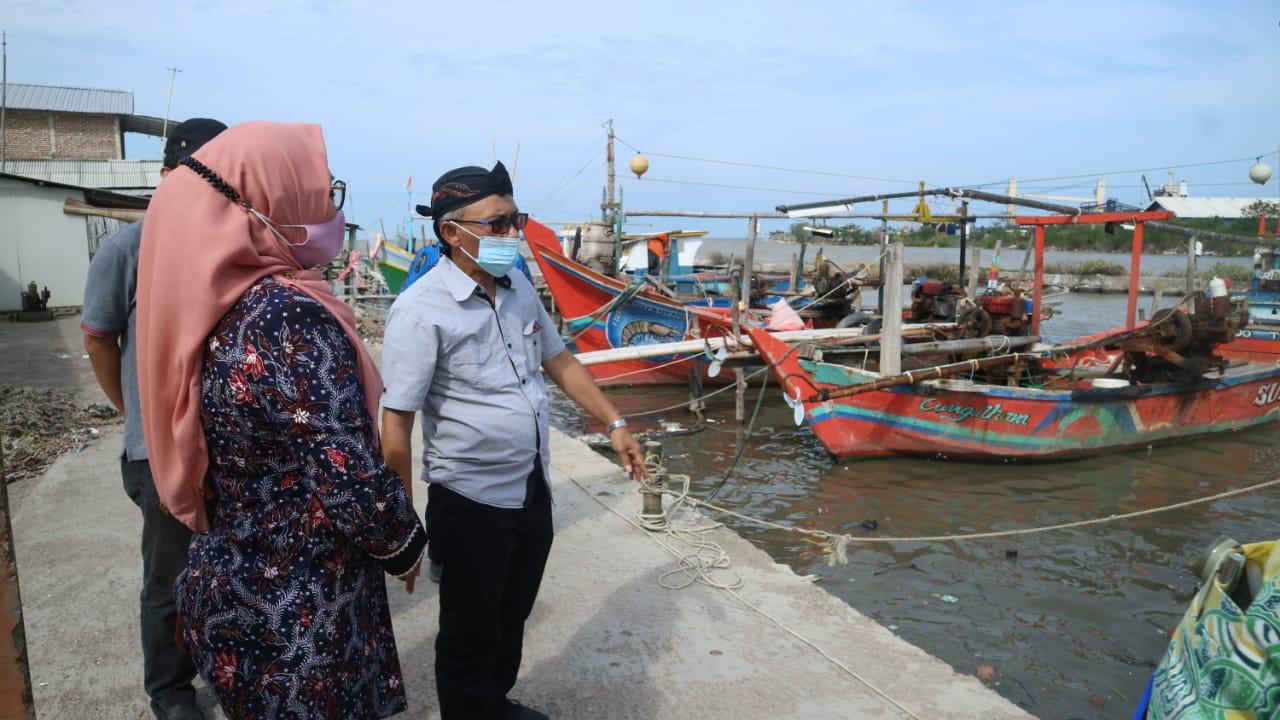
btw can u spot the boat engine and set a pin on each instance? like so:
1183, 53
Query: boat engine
35, 300
1182, 346
935, 301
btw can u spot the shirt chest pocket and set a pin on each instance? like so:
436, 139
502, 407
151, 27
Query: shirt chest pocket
479, 367
531, 339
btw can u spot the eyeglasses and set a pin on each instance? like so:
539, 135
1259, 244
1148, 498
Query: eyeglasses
502, 225
338, 193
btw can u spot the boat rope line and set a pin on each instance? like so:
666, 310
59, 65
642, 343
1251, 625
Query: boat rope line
1126, 172
622, 297
807, 193
677, 361
742, 445
765, 167
686, 403
704, 557
837, 544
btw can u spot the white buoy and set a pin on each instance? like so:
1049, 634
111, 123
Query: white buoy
1260, 173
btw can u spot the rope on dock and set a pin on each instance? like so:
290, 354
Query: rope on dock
708, 556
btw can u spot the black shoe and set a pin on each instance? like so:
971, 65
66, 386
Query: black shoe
516, 711
177, 711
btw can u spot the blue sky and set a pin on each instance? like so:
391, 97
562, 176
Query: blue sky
904, 91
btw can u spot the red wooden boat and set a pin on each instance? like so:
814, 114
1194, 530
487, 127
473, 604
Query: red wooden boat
603, 313
963, 419
1254, 344
1059, 414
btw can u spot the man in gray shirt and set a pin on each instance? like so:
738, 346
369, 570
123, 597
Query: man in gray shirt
108, 324
466, 346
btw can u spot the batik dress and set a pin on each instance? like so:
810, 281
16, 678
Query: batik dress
283, 603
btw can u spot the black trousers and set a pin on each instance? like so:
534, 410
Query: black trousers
167, 671
493, 562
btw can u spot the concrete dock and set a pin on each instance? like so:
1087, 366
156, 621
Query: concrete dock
605, 640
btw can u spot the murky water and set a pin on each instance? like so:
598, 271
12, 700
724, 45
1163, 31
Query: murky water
1072, 622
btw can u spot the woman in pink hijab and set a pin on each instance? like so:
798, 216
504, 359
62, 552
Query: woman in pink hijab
258, 401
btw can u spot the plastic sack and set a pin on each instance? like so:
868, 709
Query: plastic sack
783, 317
1224, 662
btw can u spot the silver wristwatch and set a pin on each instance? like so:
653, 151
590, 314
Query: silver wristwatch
619, 423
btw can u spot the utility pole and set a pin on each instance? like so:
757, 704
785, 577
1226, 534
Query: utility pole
4, 100
164, 130
610, 208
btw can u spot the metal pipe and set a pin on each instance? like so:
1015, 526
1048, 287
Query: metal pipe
733, 214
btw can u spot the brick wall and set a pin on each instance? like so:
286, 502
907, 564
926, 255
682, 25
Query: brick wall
84, 137
27, 135
74, 136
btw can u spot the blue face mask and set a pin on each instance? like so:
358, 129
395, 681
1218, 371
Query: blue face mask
497, 255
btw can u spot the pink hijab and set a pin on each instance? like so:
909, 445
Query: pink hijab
200, 253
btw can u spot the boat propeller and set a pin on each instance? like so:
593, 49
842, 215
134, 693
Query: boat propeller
716, 360
796, 405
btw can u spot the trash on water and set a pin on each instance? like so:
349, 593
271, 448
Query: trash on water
950, 599
870, 524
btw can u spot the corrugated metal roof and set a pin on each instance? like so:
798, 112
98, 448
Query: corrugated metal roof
101, 174
1203, 207
66, 99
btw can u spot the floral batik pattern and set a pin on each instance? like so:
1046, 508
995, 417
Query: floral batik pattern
284, 604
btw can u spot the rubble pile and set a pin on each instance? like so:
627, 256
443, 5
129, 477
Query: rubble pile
38, 425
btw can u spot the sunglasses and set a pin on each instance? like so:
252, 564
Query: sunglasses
502, 225
338, 193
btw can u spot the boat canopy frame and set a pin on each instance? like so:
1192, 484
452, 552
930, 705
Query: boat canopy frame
1139, 220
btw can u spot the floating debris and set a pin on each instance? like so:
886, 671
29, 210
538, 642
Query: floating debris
38, 425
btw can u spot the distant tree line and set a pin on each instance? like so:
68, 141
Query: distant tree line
1067, 237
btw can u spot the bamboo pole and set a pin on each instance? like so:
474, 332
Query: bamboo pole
912, 377
891, 345
1191, 265
748, 265
975, 262
684, 347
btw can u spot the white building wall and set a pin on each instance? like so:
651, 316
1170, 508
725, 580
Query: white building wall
41, 243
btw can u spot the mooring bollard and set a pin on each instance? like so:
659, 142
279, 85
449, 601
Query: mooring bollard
651, 489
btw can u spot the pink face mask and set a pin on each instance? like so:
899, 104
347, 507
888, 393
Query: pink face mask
322, 244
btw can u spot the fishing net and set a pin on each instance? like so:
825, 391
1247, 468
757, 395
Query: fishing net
38, 425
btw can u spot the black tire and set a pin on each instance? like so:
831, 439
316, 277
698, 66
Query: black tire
854, 319
873, 327
1181, 324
